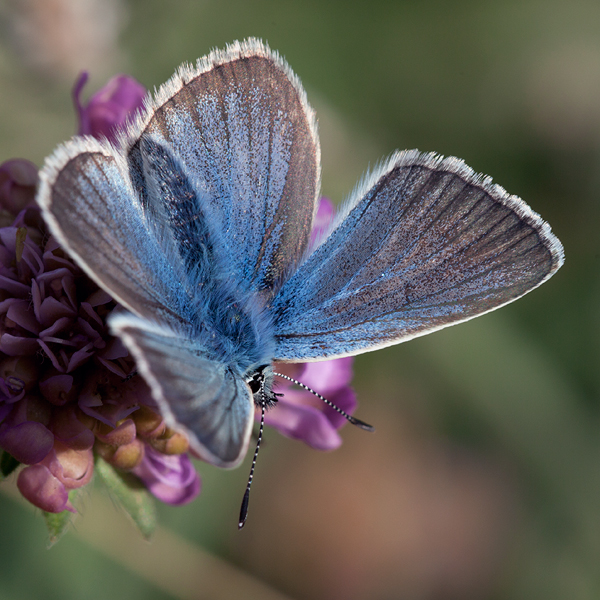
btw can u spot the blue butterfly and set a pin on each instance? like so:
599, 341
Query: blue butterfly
197, 221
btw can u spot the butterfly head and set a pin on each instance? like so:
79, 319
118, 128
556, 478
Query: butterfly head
260, 382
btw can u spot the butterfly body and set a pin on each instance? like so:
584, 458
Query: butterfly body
198, 222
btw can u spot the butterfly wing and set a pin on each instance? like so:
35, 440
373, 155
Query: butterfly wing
90, 205
246, 137
207, 397
425, 244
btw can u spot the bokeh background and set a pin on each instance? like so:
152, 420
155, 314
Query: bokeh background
483, 479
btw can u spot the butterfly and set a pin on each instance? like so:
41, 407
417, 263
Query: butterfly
198, 222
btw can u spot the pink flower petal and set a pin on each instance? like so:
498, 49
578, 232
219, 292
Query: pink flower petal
110, 107
73, 468
304, 423
70, 430
20, 313
328, 375
172, 479
42, 489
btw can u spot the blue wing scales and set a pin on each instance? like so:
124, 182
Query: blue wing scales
241, 126
429, 244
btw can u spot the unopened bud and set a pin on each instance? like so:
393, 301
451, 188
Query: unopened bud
128, 456
177, 443
148, 423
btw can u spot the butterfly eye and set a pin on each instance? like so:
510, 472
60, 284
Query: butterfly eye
255, 382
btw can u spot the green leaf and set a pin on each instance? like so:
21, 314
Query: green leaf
58, 523
8, 464
131, 494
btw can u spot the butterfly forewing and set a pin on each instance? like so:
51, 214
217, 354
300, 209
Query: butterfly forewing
429, 245
240, 124
89, 204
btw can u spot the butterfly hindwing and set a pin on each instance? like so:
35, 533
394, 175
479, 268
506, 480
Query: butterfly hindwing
429, 244
242, 129
205, 396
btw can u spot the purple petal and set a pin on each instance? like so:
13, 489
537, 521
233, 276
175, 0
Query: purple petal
70, 430
110, 107
50, 276
323, 220
14, 288
112, 367
52, 309
301, 415
53, 358
172, 479
84, 124
42, 489
98, 298
327, 376
79, 357
304, 423
92, 405
55, 389
29, 442
20, 314
55, 328
13, 345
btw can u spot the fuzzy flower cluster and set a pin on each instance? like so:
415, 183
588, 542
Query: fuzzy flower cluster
67, 394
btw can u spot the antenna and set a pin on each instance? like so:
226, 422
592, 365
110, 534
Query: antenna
246, 499
263, 404
344, 414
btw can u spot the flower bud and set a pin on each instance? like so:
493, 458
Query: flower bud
42, 489
73, 468
128, 456
148, 424
18, 181
177, 443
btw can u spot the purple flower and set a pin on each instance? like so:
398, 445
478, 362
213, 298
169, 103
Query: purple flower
110, 107
172, 479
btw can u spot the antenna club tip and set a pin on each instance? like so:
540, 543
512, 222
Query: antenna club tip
361, 424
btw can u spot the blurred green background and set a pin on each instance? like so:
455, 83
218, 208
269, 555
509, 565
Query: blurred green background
483, 479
